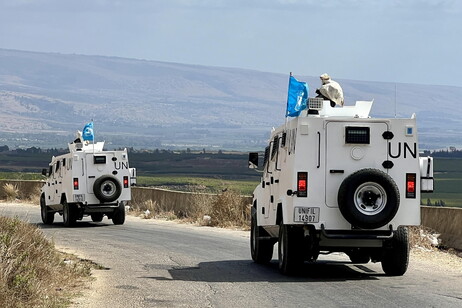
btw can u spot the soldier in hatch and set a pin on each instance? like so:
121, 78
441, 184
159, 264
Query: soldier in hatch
330, 90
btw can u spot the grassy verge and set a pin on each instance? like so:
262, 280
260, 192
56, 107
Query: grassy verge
197, 184
32, 272
20, 176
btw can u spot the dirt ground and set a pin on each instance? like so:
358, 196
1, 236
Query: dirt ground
444, 261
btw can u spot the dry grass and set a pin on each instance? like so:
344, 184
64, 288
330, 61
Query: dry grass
227, 209
32, 272
145, 209
422, 237
34, 196
150, 209
25, 191
11, 192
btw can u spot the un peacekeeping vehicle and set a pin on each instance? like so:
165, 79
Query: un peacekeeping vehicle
87, 181
337, 180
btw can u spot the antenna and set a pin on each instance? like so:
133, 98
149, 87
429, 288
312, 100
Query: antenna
396, 89
287, 104
93, 136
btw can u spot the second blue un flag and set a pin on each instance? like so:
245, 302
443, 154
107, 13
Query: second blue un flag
87, 132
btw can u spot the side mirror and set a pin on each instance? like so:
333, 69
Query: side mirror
44, 172
253, 160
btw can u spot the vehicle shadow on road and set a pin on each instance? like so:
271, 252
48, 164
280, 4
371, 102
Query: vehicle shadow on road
80, 224
248, 271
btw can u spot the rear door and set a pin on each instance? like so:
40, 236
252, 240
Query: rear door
94, 165
351, 146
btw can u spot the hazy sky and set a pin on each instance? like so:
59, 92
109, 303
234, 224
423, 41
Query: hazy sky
375, 40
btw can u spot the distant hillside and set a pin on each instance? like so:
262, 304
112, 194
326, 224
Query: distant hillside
46, 97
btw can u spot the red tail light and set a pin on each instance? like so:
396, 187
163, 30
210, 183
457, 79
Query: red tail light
76, 183
302, 184
125, 181
410, 185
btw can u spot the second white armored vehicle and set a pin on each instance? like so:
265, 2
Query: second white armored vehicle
337, 180
87, 181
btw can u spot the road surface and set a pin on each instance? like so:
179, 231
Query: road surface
151, 263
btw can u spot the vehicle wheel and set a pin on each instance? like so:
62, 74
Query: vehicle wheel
47, 216
396, 259
358, 256
107, 188
119, 215
368, 199
97, 217
290, 249
260, 249
69, 214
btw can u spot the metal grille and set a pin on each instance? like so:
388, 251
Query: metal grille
315, 103
360, 135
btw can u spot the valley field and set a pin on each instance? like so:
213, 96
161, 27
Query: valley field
448, 183
215, 172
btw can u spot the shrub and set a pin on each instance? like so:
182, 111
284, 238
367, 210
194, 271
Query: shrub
34, 196
11, 191
227, 209
32, 272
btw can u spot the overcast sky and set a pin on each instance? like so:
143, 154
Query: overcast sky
407, 41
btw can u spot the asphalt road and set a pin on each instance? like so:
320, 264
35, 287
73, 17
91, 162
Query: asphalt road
150, 263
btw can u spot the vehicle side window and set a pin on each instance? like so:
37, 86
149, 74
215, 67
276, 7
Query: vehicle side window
275, 148
267, 149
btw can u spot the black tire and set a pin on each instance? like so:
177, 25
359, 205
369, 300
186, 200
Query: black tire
97, 217
69, 214
290, 251
118, 217
107, 188
260, 249
368, 199
396, 258
48, 216
358, 256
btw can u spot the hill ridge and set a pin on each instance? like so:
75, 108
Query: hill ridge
46, 97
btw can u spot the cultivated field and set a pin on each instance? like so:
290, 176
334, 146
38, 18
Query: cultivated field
448, 183
216, 172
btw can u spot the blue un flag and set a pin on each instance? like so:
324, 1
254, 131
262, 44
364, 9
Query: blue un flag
87, 132
297, 97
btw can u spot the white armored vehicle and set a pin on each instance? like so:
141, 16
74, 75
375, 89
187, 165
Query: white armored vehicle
87, 181
337, 180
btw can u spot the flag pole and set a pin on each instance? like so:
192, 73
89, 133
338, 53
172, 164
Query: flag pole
287, 104
93, 124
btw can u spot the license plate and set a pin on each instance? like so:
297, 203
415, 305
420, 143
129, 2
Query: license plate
306, 214
79, 198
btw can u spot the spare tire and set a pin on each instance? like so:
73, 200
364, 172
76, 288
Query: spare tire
368, 199
107, 188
